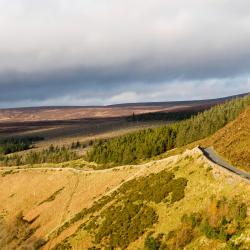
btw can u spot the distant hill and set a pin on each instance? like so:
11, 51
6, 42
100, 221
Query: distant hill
185, 102
118, 110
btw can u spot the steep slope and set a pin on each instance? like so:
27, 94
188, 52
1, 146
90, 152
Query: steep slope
179, 202
167, 201
233, 141
39, 200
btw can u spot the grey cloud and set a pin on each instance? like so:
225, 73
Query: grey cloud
59, 51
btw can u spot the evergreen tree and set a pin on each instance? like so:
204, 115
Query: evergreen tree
143, 144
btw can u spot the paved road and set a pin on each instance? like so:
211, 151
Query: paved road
214, 157
208, 152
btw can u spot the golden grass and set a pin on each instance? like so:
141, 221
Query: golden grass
202, 184
25, 189
233, 141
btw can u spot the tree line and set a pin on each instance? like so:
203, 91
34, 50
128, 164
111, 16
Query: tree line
52, 154
16, 144
143, 144
163, 116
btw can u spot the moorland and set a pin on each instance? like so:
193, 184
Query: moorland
131, 178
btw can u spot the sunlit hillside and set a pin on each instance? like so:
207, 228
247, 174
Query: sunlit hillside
178, 202
53, 198
233, 141
124, 125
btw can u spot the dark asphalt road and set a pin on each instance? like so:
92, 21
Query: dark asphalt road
214, 157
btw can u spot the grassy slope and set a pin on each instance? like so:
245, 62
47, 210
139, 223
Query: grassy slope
233, 141
22, 191
202, 184
35, 193
26, 189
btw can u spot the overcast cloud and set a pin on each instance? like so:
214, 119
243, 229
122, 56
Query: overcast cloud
91, 52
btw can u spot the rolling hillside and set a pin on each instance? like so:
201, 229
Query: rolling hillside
233, 141
67, 113
179, 202
124, 125
176, 202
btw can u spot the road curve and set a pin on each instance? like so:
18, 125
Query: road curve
214, 157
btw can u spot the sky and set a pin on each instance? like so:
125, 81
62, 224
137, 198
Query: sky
100, 52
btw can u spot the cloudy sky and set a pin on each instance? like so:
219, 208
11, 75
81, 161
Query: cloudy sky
92, 52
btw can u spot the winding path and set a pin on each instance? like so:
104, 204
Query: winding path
214, 157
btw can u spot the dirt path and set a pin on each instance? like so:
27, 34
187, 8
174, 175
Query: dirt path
77, 170
68, 203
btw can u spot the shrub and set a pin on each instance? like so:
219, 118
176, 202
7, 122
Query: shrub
118, 226
124, 224
152, 243
222, 220
155, 187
